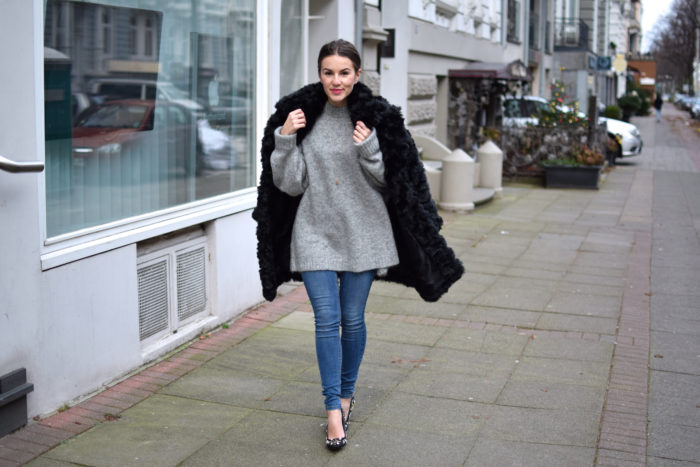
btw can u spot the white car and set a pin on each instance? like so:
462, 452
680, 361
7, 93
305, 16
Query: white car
626, 134
522, 111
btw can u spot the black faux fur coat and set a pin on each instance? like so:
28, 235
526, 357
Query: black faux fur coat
425, 261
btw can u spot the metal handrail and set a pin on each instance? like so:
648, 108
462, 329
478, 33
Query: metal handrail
17, 167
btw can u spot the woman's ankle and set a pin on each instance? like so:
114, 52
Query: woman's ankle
335, 423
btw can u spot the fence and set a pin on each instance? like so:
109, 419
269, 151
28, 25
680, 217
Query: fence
525, 148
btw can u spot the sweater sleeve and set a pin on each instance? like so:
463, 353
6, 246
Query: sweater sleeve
288, 166
371, 160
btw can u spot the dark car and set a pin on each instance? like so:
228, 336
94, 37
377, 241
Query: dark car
135, 128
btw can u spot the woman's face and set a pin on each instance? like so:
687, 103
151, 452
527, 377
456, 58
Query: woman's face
338, 77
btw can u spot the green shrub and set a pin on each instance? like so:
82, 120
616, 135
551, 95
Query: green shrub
630, 104
646, 98
613, 111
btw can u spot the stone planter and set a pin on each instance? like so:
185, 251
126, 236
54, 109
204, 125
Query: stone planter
563, 176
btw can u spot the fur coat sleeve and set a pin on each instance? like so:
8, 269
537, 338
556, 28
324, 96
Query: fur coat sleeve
426, 263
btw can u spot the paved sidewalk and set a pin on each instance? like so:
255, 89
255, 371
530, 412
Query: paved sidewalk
538, 356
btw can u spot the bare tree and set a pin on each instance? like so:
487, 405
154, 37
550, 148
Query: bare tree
675, 42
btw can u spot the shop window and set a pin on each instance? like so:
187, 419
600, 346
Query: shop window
186, 69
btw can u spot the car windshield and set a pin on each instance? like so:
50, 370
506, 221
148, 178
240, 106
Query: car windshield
115, 116
171, 91
512, 108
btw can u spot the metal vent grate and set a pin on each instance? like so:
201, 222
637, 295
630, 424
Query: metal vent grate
153, 298
191, 283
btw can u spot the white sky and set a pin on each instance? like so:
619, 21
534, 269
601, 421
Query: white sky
652, 11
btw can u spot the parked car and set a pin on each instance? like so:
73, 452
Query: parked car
106, 89
685, 102
122, 128
626, 134
695, 109
522, 111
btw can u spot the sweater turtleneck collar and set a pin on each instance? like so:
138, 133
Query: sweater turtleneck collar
336, 111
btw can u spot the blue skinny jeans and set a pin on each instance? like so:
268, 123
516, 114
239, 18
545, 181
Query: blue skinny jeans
338, 300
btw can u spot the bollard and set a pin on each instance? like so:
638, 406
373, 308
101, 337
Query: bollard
457, 182
433, 170
491, 171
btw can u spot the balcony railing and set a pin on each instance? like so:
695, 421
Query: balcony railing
570, 33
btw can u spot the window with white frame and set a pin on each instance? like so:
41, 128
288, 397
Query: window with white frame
292, 32
513, 23
148, 106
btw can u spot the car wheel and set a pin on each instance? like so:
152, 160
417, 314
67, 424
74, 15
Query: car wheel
618, 151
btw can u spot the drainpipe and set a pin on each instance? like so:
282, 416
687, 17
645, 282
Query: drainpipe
359, 20
544, 6
526, 33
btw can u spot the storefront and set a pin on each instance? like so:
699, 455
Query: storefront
137, 235
147, 117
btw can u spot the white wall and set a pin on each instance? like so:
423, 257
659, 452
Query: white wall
20, 285
75, 327
394, 71
235, 279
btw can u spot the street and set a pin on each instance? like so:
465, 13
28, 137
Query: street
574, 334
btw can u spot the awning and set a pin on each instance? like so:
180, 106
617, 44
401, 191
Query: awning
513, 71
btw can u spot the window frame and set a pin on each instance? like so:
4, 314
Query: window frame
514, 14
80, 244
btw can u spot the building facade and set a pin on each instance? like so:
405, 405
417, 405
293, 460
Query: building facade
590, 35
148, 116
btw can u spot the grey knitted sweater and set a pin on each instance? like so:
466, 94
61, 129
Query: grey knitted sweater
342, 222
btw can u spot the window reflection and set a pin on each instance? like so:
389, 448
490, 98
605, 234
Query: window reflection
145, 108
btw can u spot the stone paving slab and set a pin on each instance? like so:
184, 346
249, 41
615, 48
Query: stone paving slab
562, 322
546, 426
586, 304
431, 414
264, 438
379, 304
671, 441
509, 316
226, 386
677, 352
675, 398
162, 430
470, 363
457, 386
408, 333
498, 453
575, 372
514, 297
378, 445
552, 395
584, 350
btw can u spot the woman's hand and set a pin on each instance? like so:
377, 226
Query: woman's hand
361, 132
295, 120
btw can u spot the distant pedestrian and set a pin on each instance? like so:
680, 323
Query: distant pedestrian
658, 103
342, 200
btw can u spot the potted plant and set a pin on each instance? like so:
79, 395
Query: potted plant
580, 168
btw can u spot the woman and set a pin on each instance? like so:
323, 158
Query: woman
343, 199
